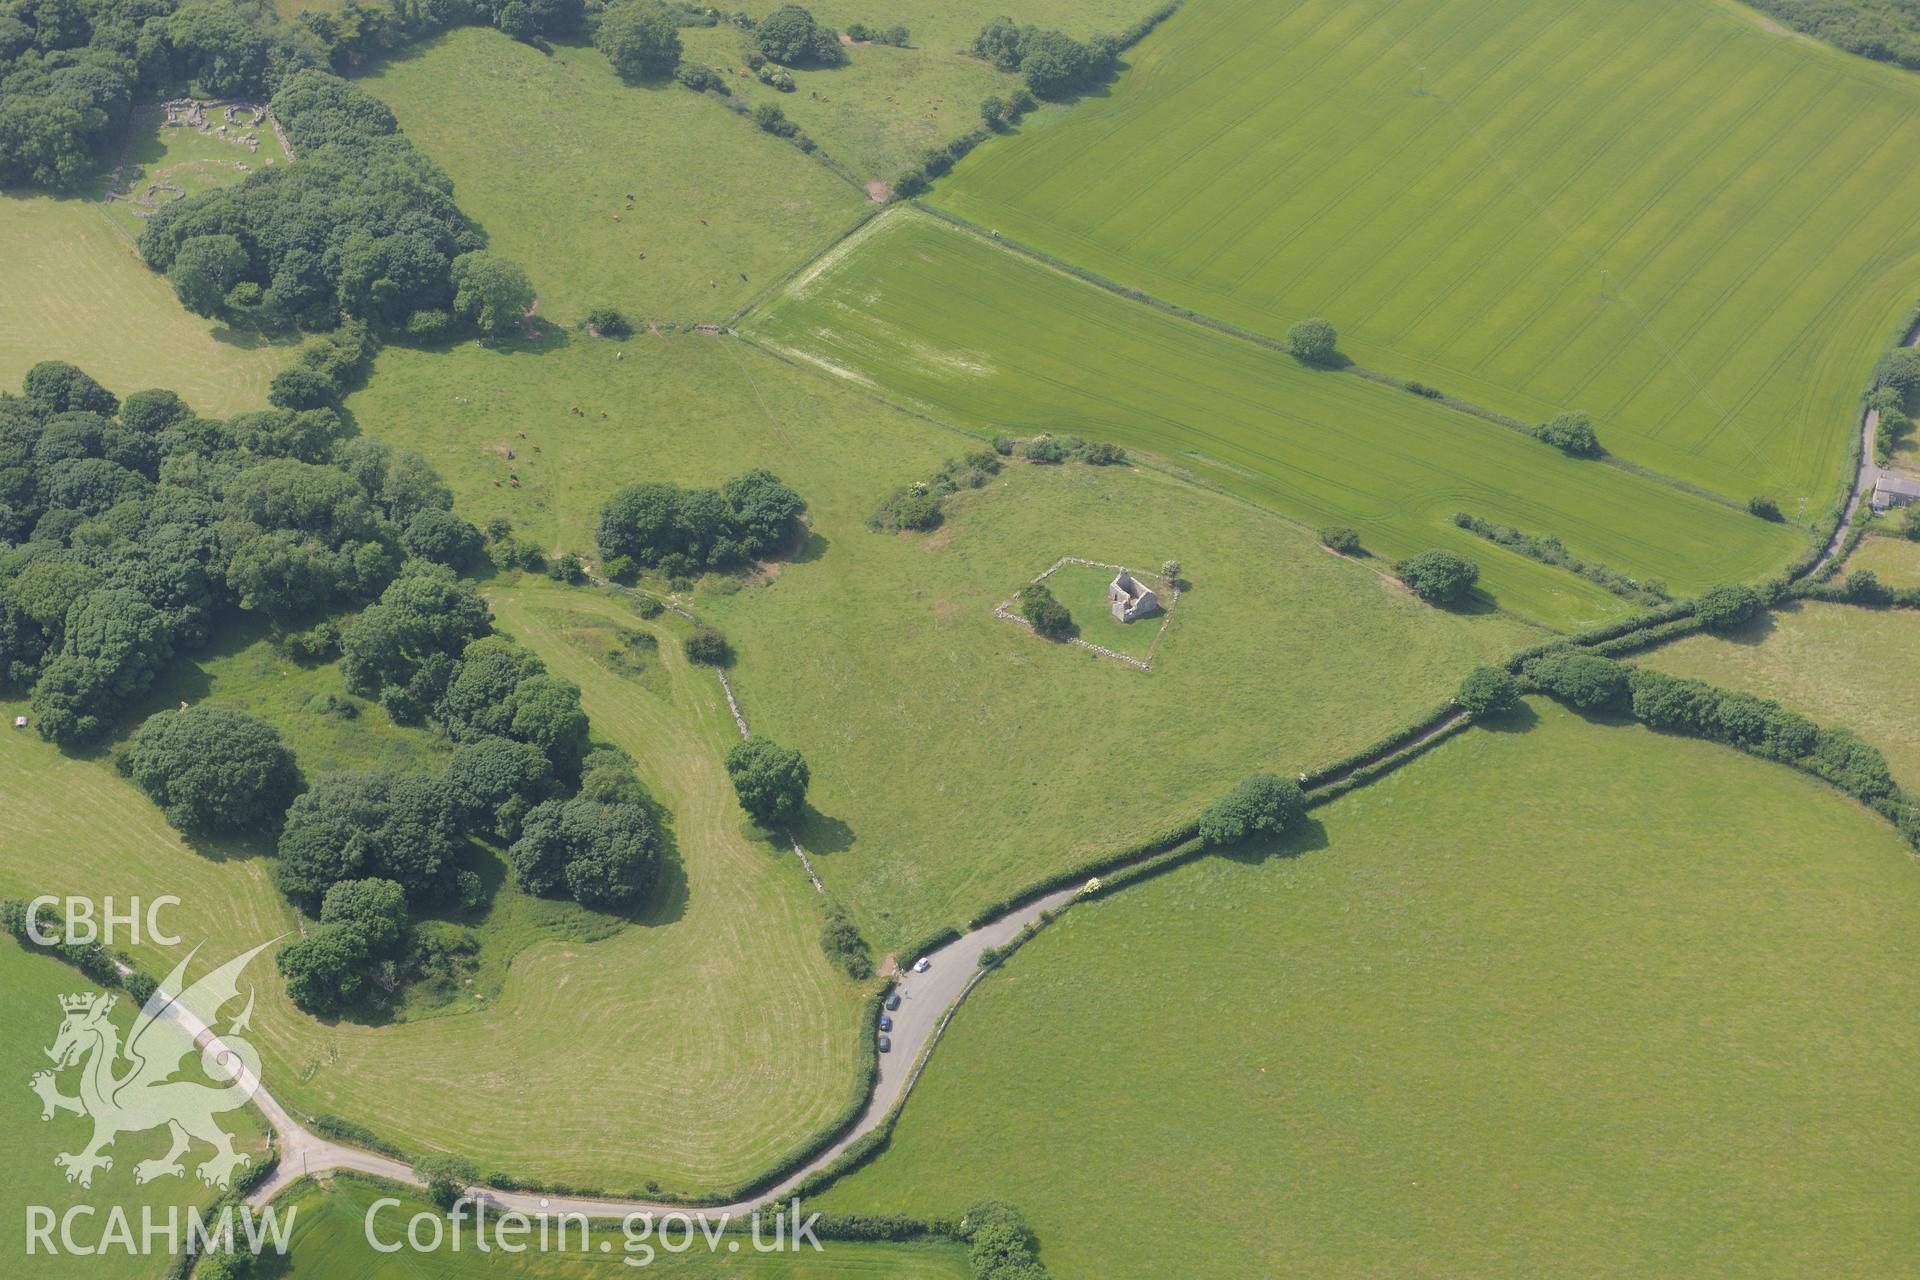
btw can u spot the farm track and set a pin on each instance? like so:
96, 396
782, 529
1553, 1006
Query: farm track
1869, 472
929, 999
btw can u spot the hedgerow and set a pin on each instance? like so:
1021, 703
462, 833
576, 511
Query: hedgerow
1549, 550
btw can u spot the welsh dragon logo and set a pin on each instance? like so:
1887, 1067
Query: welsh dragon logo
131, 1088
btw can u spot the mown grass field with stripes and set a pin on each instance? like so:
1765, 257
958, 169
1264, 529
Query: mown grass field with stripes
922, 312
1566, 999
1696, 229
654, 1053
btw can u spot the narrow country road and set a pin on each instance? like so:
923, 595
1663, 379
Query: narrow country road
1870, 473
926, 1001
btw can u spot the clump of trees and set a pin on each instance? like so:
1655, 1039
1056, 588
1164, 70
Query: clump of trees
769, 117
365, 227
1261, 804
327, 368
609, 322
1437, 576
770, 781
845, 947
919, 507
999, 1244
792, 37
1883, 32
396, 826
685, 532
1047, 615
1488, 692
363, 924
895, 35
1764, 507
707, 646
128, 530
602, 854
1341, 538
1052, 63
640, 38
1571, 433
214, 771
1313, 341
490, 292
72, 71
1727, 607
1892, 423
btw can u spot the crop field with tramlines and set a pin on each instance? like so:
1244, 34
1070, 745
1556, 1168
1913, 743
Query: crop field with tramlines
936, 317
1075, 639
1667, 215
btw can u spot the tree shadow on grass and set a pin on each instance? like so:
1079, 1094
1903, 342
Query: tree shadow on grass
819, 833
1519, 720
1310, 836
1760, 628
807, 548
254, 339
666, 902
1476, 603
234, 848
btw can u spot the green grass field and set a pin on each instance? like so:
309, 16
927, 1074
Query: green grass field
1835, 663
878, 656
78, 291
655, 1051
1577, 1000
187, 158
1662, 214
1083, 590
942, 319
879, 113
30, 991
1895, 561
330, 1243
579, 141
